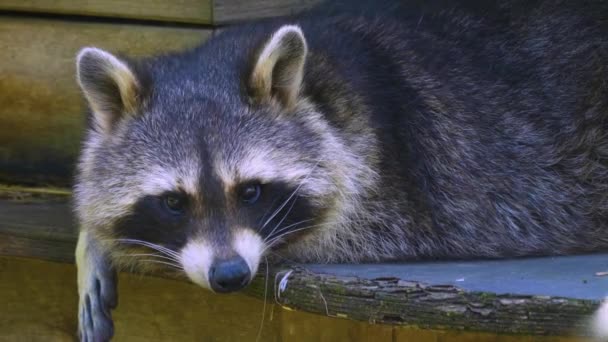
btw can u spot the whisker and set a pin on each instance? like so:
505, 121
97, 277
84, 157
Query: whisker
291, 196
264, 307
162, 262
272, 242
276, 212
149, 254
159, 248
269, 210
293, 203
293, 262
151, 245
307, 227
285, 228
270, 239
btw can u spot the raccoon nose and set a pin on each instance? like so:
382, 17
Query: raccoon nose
229, 275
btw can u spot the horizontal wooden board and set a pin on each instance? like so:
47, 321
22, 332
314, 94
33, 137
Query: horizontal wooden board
189, 11
39, 303
41, 109
230, 11
412, 294
182, 11
38, 226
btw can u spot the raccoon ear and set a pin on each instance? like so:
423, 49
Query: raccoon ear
279, 69
109, 85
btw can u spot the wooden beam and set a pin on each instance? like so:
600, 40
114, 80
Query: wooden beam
230, 11
186, 11
413, 303
205, 12
36, 224
39, 303
426, 295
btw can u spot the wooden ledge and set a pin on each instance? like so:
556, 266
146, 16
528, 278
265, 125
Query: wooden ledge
458, 296
202, 12
541, 296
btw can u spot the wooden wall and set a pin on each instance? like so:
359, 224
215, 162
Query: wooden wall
209, 12
41, 110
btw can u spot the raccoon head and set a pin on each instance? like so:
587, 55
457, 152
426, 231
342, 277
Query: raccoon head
207, 178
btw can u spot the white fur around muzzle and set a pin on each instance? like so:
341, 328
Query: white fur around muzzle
198, 255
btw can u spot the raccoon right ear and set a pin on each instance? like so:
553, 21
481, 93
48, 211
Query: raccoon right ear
109, 85
278, 71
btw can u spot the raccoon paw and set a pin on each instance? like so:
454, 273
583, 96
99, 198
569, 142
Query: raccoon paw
95, 308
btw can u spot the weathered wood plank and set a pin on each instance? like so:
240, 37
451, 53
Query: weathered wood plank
41, 110
42, 220
188, 11
230, 11
412, 303
27, 247
38, 226
209, 12
364, 292
39, 303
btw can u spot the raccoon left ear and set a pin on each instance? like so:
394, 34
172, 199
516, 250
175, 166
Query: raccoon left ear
109, 85
279, 69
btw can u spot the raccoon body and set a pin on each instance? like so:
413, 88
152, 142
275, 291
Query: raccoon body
347, 134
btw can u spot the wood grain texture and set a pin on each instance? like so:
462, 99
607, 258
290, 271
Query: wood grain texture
188, 11
207, 12
36, 226
39, 303
412, 303
43, 229
230, 11
41, 109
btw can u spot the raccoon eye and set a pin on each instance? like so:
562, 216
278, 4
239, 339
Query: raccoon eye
174, 203
250, 193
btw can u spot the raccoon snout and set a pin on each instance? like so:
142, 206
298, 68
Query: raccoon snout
229, 275
226, 269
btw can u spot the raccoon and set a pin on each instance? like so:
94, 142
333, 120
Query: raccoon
350, 133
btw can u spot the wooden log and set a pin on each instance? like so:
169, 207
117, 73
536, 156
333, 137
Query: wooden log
417, 295
41, 109
413, 303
